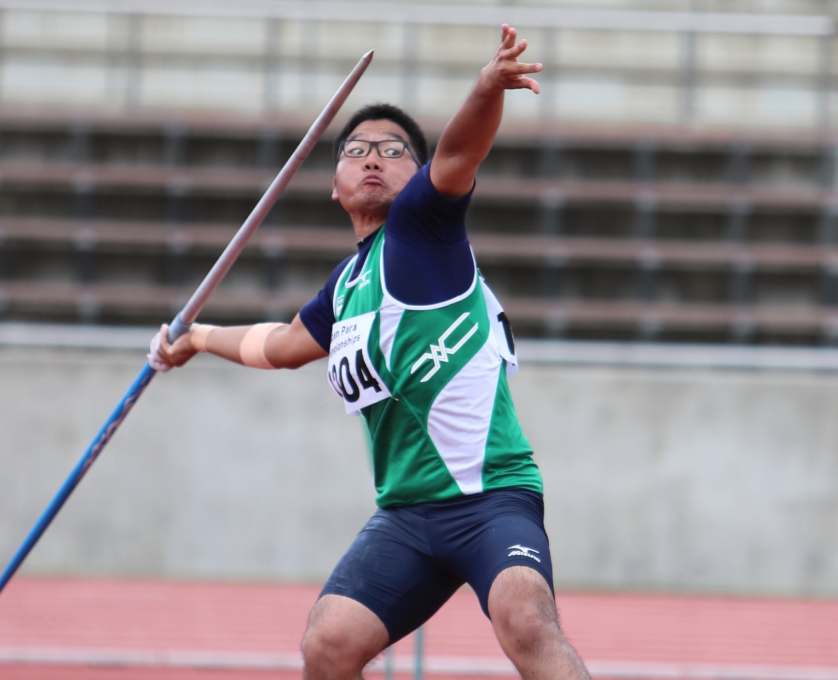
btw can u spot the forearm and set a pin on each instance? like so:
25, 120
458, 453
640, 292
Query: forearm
265, 345
222, 341
468, 136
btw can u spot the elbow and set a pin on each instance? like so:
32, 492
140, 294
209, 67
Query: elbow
292, 365
294, 360
455, 178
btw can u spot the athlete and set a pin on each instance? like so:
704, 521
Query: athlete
420, 347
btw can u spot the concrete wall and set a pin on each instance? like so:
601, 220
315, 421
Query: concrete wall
711, 480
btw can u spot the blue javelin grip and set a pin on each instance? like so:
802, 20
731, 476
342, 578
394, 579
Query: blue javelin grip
89, 457
96, 447
189, 313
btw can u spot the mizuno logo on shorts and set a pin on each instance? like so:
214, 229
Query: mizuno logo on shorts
524, 552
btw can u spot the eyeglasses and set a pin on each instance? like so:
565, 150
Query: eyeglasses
388, 148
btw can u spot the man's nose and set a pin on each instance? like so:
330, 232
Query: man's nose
373, 161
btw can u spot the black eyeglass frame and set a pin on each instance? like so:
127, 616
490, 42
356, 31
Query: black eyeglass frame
405, 147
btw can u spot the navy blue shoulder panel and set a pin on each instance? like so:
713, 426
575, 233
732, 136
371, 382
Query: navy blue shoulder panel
318, 314
427, 256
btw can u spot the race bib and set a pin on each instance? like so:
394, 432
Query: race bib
351, 372
502, 330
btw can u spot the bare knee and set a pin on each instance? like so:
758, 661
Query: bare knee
341, 638
526, 626
328, 649
524, 613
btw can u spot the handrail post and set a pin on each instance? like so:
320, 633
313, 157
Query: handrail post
824, 81
688, 78
389, 663
420, 644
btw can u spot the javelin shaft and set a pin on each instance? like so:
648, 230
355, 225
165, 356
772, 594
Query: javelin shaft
189, 313
219, 270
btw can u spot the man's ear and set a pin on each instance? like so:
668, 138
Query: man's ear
335, 196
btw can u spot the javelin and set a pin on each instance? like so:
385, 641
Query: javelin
190, 312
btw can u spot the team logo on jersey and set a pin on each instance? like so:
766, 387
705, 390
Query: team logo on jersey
365, 279
439, 353
521, 551
339, 304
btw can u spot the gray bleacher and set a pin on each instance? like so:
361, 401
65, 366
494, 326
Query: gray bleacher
675, 181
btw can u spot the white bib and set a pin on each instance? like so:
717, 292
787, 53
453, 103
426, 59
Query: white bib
501, 330
351, 372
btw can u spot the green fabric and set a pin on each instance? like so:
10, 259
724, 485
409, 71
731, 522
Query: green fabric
430, 348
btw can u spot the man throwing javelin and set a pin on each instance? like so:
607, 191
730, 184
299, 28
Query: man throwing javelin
419, 345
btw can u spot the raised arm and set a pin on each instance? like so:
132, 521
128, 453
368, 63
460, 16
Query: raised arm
468, 137
259, 346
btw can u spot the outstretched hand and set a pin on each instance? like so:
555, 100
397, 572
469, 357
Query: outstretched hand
505, 71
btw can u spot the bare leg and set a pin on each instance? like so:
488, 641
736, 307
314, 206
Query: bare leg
342, 637
526, 624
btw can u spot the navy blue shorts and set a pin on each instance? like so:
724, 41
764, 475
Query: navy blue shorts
408, 561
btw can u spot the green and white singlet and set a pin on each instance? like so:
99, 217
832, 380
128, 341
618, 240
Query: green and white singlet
431, 384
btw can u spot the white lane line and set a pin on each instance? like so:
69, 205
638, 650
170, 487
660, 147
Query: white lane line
450, 665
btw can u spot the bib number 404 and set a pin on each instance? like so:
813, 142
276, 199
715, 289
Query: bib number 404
350, 384
351, 372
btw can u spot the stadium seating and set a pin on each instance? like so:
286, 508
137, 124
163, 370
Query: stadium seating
585, 232
674, 181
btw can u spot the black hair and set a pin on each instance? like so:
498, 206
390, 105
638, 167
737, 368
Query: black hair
381, 111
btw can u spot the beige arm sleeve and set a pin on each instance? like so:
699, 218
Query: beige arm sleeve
252, 348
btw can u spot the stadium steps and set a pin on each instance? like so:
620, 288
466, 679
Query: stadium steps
76, 178
330, 242
585, 231
127, 303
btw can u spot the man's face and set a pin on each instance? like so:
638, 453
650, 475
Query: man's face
370, 184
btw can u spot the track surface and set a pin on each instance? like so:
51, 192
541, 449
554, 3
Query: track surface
131, 630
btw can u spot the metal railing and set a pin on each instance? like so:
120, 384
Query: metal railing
556, 352
128, 57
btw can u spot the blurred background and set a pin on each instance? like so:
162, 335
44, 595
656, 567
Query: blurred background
661, 225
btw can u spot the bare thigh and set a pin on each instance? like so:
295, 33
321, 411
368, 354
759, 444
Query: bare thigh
524, 589
526, 623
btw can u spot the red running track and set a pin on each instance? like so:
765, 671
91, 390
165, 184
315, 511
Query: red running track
161, 630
